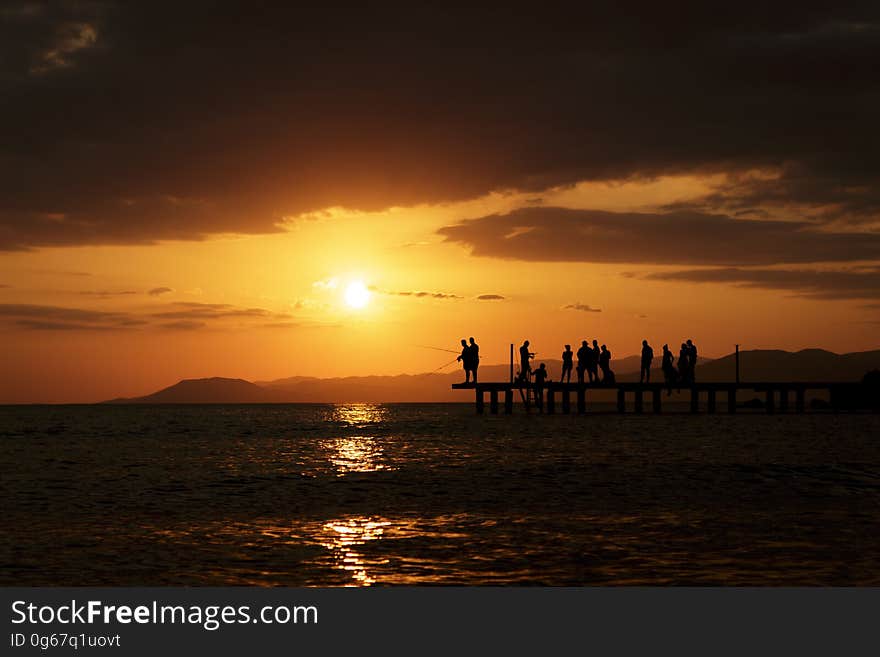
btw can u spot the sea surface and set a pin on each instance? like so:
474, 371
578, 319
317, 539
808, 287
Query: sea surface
359, 495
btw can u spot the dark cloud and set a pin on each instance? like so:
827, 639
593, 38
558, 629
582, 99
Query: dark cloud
55, 318
159, 291
863, 283
189, 310
182, 120
105, 294
490, 297
582, 307
183, 316
561, 234
422, 294
184, 325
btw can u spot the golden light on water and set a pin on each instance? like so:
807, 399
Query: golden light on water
342, 537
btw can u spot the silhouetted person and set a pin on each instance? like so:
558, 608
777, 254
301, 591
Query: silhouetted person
567, 363
647, 357
475, 357
465, 359
525, 367
540, 375
684, 359
584, 355
605, 365
593, 368
692, 360
669, 374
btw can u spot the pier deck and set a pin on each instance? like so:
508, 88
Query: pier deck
776, 394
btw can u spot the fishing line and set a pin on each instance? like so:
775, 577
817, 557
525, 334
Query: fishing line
424, 346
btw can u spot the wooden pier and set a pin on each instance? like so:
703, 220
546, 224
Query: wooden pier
777, 396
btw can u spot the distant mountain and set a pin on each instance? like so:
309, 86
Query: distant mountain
216, 390
805, 365
756, 365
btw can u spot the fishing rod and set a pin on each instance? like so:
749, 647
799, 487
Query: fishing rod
444, 366
424, 346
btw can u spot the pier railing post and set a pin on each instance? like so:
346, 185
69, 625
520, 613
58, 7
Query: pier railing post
551, 399
695, 400
621, 400
656, 399
508, 401
771, 401
783, 400
479, 399
566, 401
582, 399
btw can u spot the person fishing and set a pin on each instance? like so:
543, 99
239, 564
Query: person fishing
567, 364
540, 375
465, 359
525, 367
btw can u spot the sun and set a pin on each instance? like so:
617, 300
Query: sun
357, 295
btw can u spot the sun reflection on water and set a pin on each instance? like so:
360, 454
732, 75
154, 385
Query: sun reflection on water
342, 537
351, 454
358, 414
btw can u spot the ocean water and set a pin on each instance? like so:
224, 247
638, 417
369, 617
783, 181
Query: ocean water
357, 495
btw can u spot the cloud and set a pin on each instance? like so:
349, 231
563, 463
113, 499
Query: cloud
190, 310
37, 317
692, 238
184, 325
159, 291
490, 297
70, 38
182, 316
515, 104
4, 285
422, 294
862, 283
582, 307
104, 294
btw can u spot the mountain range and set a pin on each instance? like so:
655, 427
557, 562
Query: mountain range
755, 365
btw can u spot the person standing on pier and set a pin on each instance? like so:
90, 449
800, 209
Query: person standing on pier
525, 367
605, 365
465, 360
684, 359
647, 357
475, 357
567, 364
584, 355
692, 360
668, 369
594, 362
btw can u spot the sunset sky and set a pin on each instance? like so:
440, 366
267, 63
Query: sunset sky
189, 191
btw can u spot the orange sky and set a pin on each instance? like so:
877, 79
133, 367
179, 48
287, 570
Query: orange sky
271, 306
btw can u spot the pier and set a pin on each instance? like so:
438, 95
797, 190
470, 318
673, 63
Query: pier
777, 397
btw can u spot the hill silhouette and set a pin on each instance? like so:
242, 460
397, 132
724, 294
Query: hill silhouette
755, 365
216, 390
